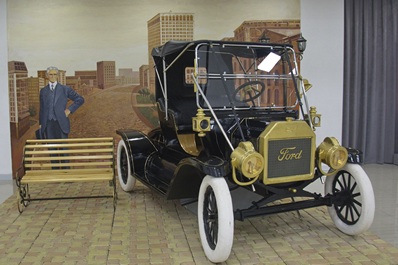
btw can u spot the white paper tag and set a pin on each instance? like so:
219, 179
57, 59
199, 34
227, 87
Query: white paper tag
269, 62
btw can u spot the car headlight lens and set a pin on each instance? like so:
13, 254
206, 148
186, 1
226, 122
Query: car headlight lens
332, 153
248, 161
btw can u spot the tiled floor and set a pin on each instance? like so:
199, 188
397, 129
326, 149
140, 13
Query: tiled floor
385, 186
145, 229
6, 189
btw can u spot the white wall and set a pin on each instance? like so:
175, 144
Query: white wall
322, 24
5, 144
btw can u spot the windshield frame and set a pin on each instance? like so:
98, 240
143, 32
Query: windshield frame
238, 52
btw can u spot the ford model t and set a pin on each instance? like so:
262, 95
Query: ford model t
235, 115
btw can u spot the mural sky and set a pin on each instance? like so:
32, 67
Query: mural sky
74, 34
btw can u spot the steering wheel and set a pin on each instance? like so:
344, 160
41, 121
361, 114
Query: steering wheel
250, 91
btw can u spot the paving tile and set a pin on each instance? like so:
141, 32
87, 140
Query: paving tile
146, 229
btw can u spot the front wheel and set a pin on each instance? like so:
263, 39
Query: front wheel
354, 203
215, 218
126, 179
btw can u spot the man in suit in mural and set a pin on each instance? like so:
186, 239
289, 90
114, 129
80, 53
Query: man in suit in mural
54, 112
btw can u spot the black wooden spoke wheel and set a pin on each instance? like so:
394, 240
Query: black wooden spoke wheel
215, 218
353, 199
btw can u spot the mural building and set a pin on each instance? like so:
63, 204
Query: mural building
121, 97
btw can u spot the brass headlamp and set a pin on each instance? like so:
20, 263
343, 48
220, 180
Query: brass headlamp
332, 154
248, 161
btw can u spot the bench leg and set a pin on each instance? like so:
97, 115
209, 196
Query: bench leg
23, 195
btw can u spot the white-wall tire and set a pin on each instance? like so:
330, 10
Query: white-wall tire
215, 218
353, 210
124, 172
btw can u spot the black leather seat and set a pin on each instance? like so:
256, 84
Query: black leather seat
180, 112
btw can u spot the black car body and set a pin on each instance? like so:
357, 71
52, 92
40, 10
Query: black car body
236, 115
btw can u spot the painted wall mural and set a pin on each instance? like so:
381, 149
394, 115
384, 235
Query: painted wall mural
102, 49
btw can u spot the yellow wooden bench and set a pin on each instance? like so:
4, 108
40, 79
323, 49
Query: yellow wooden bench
66, 160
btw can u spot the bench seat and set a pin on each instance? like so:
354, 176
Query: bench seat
66, 160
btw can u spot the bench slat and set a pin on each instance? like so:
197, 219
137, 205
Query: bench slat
70, 140
49, 165
67, 145
27, 179
68, 151
71, 171
46, 158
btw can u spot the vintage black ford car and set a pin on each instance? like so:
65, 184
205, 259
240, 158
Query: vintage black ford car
235, 115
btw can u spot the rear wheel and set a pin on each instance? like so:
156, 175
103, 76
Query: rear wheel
126, 179
354, 202
215, 218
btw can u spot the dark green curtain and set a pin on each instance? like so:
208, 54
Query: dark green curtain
370, 121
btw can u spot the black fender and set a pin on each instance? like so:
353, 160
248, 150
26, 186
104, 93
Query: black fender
355, 156
190, 173
139, 148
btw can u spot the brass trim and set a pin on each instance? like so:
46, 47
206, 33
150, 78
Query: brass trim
331, 153
286, 130
189, 144
248, 161
201, 123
